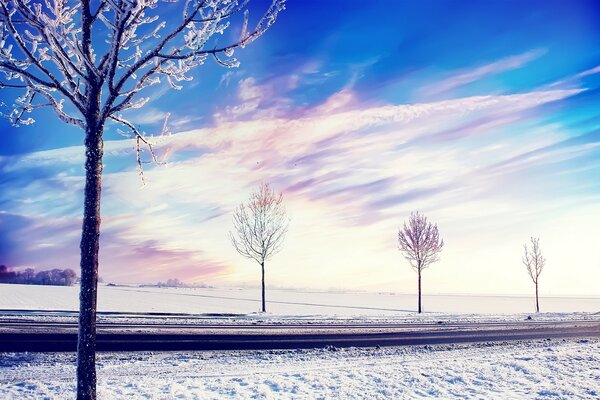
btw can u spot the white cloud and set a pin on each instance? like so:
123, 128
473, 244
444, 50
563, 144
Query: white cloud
588, 72
470, 75
351, 175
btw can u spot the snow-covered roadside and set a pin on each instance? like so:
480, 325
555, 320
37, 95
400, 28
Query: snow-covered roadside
412, 320
536, 369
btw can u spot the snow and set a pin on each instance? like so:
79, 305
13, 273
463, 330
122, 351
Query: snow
530, 369
524, 370
279, 302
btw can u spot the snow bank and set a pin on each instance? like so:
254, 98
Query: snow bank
525, 370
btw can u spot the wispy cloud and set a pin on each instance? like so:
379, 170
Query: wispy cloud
574, 79
466, 76
341, 165
588, 72
257, 100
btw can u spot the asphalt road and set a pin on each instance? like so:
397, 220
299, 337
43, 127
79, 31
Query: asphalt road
16, 336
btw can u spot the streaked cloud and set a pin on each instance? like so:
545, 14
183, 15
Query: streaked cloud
379, 162
493, 135
470, 75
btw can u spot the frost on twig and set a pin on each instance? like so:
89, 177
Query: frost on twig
92, 61
59, 53
260, 225
144, 141
420, 242
533, 259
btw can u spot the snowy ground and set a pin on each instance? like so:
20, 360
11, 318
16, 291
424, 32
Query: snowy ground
557, 369
281, 302
64, 322
534, 369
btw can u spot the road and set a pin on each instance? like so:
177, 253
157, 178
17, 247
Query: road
18, 335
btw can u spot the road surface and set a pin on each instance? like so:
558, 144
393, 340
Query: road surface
19, 335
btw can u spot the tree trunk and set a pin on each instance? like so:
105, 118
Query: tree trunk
90, 241
419, 272
537, 301
264, 307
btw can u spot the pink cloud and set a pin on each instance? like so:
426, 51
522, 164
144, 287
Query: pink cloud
340, 165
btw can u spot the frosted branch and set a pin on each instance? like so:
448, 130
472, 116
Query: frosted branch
419, 241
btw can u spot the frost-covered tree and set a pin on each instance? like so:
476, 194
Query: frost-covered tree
260, 226
420, 244
91, 61
534, 262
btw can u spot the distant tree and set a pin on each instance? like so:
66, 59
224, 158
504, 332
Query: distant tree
534, 262
90, 62
69, 277
43, 278
28, 275
54, 276
420, 244
6, 274
260, 226
172, 282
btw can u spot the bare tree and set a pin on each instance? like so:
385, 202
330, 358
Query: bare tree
534, 262
90, 61
420, 244
260, 226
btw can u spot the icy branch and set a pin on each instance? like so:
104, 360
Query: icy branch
533, 259
260, 225
419, 241
92, 65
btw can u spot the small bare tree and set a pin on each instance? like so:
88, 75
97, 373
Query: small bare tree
420, 243
534, 262
260, 226
91, 61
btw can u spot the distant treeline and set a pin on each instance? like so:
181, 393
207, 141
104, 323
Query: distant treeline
177, 283
55, 276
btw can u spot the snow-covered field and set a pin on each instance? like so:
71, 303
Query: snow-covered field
533, 369
557, 369
283, 302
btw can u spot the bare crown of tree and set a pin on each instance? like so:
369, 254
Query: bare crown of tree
419, 241
260, 225
533, 259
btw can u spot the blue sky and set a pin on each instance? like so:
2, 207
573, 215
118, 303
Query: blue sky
484, 115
